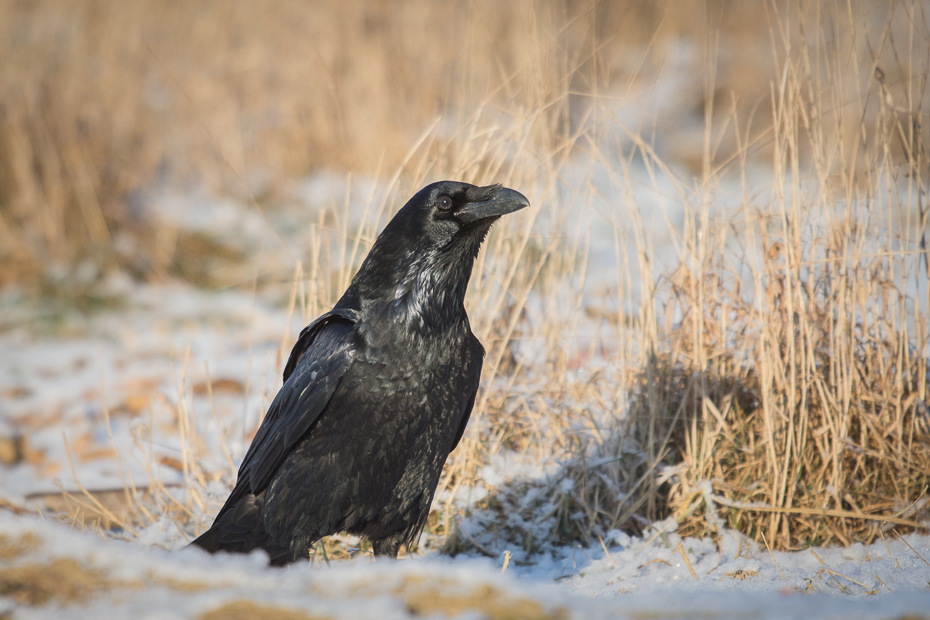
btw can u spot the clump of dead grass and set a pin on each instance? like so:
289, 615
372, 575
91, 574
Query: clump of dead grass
63, 581
13, 547
779, 380
448, 599
791, 371
248, 610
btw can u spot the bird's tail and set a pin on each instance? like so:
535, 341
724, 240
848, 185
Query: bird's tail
208, 541
241, 529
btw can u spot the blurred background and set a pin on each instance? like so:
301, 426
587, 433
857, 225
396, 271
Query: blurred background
105, 105
719, 297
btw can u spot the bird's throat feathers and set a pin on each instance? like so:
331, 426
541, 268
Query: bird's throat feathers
421, 289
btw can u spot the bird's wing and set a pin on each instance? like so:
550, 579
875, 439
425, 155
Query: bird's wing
309, 333
473, 374
316, 365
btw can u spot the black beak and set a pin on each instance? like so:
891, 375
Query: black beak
505, 201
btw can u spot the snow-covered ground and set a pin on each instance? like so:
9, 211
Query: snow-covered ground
50, 571
148, 364
127, 397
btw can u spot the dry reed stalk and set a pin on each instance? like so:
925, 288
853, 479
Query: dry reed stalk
684, 556
912, 549
95, 505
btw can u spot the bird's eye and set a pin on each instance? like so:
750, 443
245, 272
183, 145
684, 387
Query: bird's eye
445, 203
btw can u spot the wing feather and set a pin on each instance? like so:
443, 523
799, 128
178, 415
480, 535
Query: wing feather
473, 372
317, 363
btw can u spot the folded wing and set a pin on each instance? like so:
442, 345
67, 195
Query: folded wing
316, 365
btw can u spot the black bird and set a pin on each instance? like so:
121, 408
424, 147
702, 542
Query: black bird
376, 394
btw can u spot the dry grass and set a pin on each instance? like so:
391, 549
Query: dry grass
448, 599
774, 378
102, 101
12, 548
245, 610
783, 364
794, 371
63, 581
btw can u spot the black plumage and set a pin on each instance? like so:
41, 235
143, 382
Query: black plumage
376, 394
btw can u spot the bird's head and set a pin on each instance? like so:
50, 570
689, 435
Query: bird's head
432, 242
453, 214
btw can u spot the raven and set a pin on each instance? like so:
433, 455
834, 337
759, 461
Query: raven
376, 394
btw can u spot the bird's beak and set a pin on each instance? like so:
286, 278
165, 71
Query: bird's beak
505, 201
